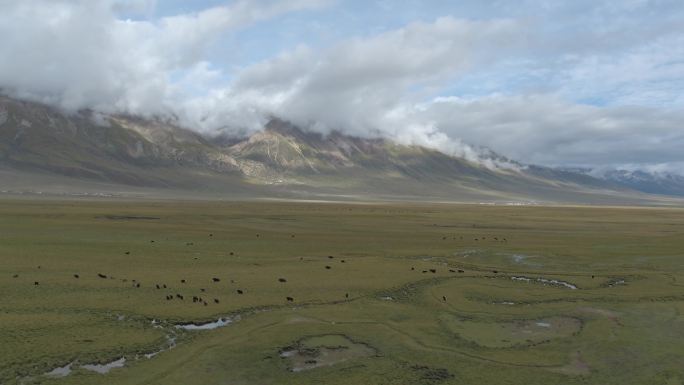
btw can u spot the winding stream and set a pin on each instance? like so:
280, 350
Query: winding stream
105, 368
219, 323
171, 337
553, 282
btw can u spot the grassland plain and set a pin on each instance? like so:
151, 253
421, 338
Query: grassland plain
379, 293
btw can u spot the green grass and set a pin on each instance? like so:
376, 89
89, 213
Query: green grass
375, 318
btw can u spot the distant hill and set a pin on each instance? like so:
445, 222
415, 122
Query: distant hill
659, 182
45, 149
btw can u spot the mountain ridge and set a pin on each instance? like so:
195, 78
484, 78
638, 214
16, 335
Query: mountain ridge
653, 182
282, 160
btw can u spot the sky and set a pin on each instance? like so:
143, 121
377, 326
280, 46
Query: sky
582, 83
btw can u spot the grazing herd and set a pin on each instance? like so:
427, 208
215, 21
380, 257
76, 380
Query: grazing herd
434, 271
495, 239
200, 300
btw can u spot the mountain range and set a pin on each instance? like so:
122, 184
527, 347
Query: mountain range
653, 182
46, 150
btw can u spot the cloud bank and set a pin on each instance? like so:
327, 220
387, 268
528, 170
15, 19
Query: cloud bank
584, 84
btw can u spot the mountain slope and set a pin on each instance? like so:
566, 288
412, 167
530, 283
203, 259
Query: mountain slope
381, 167
40, 144
649, 182
119, 149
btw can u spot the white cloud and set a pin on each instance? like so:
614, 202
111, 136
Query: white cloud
361, 85
78, 54
521, 81
544, 129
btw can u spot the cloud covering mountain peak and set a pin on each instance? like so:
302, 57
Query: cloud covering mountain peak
541, 90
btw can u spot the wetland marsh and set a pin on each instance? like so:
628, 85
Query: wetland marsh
143, 292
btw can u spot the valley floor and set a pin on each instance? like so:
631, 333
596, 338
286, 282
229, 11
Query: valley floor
178, 292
